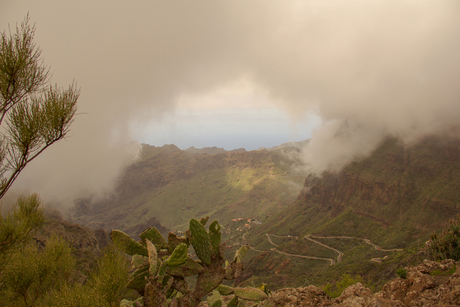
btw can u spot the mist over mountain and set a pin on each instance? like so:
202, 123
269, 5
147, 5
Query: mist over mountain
366, 69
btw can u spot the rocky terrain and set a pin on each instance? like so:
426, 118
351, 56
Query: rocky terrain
429, 284
423, 286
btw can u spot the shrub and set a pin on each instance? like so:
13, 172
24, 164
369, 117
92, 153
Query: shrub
447, 244
346, 281
31, 274
105, 288
111, 276
401, 272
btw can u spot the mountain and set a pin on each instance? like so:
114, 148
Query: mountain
168, 186
367, 220
395, 199
290, 145
211, 150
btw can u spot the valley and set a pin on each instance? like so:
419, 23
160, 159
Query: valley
367, 220
167, 186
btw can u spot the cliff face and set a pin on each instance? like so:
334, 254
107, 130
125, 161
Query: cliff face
423, 180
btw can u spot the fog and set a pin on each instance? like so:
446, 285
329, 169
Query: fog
367, 68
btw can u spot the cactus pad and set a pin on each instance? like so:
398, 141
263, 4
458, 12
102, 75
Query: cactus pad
179, 255
174, 240
233, 302
240, 253
215, 300
215, 236
200, 241
138, 260
137, 279
155, 237
189, 268
126, 244
224, 290
250, 294
204, 220
153, 258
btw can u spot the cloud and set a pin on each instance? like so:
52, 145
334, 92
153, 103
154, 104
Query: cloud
370, 67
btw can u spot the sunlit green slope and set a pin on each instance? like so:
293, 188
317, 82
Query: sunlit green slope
171, 186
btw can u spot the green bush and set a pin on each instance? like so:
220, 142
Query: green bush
111, 276
75, 296
447, 244
346, 281
18, 225
106, 286
401, 272
31, 274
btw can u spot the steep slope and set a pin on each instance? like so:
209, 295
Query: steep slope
395, 198
168, 186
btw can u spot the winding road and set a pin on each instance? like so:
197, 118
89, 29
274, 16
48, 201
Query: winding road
293, 255
310, 238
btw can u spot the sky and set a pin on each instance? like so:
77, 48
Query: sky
237, 74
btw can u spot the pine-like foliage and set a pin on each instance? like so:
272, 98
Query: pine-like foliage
17, 226
32, 273
33, 114
105, 287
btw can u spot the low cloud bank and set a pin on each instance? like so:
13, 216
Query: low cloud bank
367, 68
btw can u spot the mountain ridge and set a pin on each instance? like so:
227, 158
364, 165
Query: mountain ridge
173, 185
396, 197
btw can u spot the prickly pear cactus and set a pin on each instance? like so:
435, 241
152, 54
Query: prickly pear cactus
215, 300
225, 290
233, 302
153, 257
179, 255
174, 241
240, 253
204, 220
215, 236
161, 266
201, 241
126, 244
250, 294
244, 294
154, 236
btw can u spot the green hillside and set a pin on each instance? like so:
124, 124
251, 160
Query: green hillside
367, 220
395, 198
168, 186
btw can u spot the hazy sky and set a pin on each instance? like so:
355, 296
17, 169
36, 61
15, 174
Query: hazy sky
241, 74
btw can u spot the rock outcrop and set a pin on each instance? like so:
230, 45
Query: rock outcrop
430, 284
424, 285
